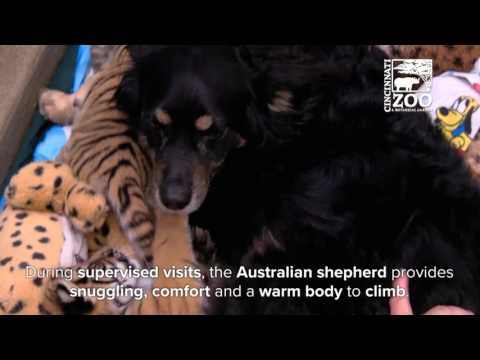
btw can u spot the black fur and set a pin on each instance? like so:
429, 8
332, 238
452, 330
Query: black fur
186, 83
339, 182
335, 181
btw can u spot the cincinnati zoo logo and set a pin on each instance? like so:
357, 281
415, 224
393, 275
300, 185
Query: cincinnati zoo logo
407, 84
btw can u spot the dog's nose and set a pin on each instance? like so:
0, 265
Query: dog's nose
175, 195
443, 111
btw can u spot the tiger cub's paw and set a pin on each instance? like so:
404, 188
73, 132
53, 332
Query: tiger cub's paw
145, 257
109, 289
140, 232
57, 106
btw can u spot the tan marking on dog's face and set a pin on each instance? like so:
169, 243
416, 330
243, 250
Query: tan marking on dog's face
204, 122
281, 102
163, 117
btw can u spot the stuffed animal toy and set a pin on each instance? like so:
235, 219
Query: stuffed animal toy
54, 225
51, 186
41, 228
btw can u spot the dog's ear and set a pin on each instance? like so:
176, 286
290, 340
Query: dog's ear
127, 95
468, 125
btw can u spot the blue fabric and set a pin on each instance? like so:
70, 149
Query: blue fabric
51, 144
55, 138
459, 130
83, 65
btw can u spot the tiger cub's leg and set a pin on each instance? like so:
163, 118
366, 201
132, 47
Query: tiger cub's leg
60, 107
127, 198
117, 167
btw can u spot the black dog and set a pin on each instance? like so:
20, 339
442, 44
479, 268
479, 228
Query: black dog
336, 181
184, 102
326, 177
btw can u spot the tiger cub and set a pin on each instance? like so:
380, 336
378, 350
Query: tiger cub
104, 152
81, 295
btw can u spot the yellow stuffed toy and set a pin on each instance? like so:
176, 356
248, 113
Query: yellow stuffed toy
54, 222
53, 187
48, 211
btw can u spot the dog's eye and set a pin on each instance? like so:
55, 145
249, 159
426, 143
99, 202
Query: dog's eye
154, 131
213, 133
206, 127
156, 125
162, 117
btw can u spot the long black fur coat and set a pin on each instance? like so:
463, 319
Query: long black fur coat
336, 181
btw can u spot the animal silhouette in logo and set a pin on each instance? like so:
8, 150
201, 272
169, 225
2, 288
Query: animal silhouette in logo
405, 83
456, 121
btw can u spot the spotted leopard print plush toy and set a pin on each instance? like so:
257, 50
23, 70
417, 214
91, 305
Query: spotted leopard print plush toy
42, 227
54, 222
51, 186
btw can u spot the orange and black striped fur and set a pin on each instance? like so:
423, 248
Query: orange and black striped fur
104, 152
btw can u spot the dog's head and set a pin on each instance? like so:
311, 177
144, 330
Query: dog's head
186, 103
